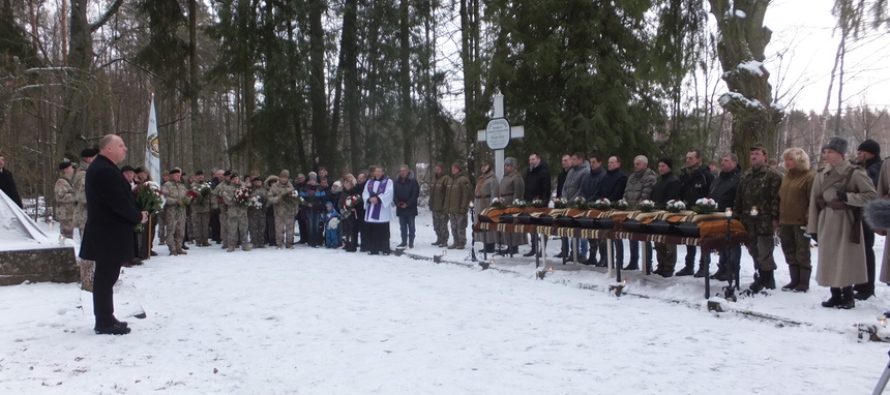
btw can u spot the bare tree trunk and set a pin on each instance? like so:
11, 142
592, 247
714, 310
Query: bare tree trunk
194, 162
407, 121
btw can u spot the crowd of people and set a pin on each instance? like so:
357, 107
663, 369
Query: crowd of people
792, 204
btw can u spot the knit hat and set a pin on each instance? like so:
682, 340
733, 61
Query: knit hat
667, 161
127, 168
313, 176
64, 165
337, 184
284, 174
836, 144
870, 146
511, 161
457, 165
89, 152
440, 165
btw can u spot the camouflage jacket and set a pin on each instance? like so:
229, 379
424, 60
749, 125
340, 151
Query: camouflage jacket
65, 199
176, 195
758, 188
264, 197
280, 206
217, 199
232, 206
80, 191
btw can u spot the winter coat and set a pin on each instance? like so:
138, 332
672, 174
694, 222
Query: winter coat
112, 214
382, 189
7, 185
561, 181
590, 189
65, 199
176, 195
841, 262
695, 183
883, 192
511, 187
574, 179
639, 187
667, 188
358, 189
758, 188
487, 188
458, 193
233, 207
315, 195
407, 190
438, 190
794, 197
613, 185
872, 168
537, 183
724, 188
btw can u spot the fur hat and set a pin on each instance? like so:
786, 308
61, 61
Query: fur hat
64, 165
870, 146
877, 214
511, 161
175, 170
270, 180
836, 144
667, 161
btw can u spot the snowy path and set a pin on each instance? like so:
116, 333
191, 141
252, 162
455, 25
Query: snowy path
316, 321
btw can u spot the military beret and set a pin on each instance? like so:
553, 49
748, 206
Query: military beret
64, 165
127, 168
89, 152
199, 173
227, 173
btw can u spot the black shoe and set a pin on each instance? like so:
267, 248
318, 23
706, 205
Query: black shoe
154, 253
702, 272
562, 254
847, 301
601, 263
725, 276
686, 271
631, 266
184, 247
113, 329
862, 295
665, 273
529, 254
402, 245
835, 300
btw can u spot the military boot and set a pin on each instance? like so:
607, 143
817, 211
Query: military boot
804, 277
686, 271
703, 271
848, 300
835, 300
794, 271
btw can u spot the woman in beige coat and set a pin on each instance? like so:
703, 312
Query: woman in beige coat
487, 188
839, 192
884, 192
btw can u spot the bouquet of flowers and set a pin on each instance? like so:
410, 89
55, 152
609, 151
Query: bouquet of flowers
560, 203
256, 202
200, 192
675, 206
150, 198
579, 203
538, 203
646, 206
293, 197
520, 203
602, 204
705, 206
242, 196
620, 205
497, 203
352, 202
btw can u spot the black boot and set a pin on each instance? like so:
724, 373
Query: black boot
718, 275
849, 300
794, 271
767, 279
686, 271
403, 244
530, 253
835, 300
632, 266
703, 270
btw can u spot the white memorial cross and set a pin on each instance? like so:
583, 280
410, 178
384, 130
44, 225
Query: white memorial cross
498, 134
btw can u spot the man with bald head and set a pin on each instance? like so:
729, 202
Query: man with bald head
108, 234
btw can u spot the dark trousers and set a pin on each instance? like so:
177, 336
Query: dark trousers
303, 226
214, 226
270, 226
104, 278
635, 253
690, 256
314, 226
617, 251
377, 237
350, 233
361, 236
868, 238
406, 227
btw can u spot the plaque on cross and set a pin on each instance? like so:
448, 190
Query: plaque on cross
498, 133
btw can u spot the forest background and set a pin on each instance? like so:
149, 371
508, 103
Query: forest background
272, 84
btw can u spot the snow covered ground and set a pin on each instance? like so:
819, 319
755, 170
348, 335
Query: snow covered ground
318, 321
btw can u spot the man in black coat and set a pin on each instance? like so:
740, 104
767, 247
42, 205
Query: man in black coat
108, 235
612, 188
537, 186
7, 183
868, 156
667, 188
406, 190
723, 191
696, 179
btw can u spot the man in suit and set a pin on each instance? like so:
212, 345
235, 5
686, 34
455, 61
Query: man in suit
111, 216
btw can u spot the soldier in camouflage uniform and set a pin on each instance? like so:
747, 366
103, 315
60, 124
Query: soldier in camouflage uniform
65, 199
759, 188
163, 230
177, 197
437, 204
216, 203
256, 218
80, 209
458, 194
285, 211
236, 213
200, 212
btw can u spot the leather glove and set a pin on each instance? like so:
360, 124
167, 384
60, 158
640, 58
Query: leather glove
842, 195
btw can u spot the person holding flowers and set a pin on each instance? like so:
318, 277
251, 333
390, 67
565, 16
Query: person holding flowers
200, 193
177, 198
256, 213
286, 203
236, 199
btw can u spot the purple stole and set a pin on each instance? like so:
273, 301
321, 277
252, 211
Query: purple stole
381, 187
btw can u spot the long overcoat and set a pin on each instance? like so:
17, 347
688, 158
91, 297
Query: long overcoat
111, 214
512, 187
